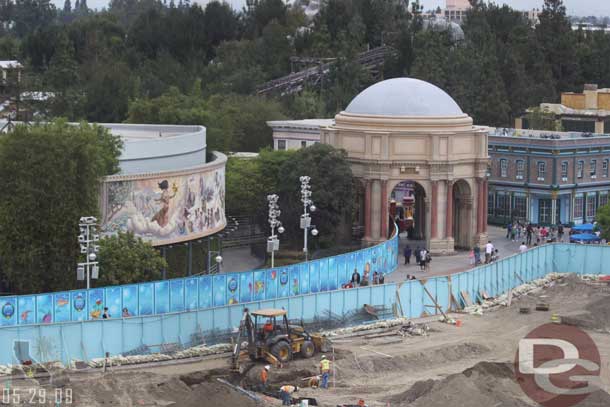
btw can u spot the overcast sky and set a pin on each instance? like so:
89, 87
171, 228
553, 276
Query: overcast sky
575, 7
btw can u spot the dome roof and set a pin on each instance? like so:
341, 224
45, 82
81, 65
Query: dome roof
404, 97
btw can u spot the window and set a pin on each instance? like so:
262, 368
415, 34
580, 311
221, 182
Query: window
520, 207
593, 168
603, 199
544, 211
541, 170
281, 144
591, 209
503, 168
520, 170
564, 171
578, 207
579, 169
501, 204
490, 204
605, 168
303, 144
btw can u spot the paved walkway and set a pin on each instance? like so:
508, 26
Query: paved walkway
443, 265
239, 259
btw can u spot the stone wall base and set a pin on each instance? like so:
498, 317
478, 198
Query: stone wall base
442, 247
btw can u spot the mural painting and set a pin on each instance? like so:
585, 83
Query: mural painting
166, 210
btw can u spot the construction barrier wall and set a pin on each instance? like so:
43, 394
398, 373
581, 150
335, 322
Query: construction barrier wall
86, 339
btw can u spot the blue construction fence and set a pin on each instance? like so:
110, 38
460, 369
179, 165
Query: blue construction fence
92, 338
202, 292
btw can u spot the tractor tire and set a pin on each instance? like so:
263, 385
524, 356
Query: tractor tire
308, 349
282, 351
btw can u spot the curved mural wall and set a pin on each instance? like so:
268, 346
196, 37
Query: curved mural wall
202, 292
167, 207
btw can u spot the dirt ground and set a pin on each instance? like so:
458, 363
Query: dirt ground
467, 365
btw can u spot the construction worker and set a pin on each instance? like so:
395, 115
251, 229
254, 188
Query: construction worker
361, 403
265, 377
286, 394
325, 371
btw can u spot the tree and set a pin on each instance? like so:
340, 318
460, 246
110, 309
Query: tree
126, 259
331, 185
67, 7
603, 221
50, 176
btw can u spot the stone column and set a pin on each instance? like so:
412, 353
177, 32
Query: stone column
479, 205
375, 211
367, 209
485, 202
434, 209
384, 209
553, 211
449, 215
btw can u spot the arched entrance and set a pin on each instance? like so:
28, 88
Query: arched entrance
462, 215
408, 209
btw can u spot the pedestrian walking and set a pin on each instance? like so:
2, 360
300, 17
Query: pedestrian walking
477, 255
407, 253
519, 230
428, 260
528, 233
560, 232
422, 259
489, 249
417, 254
513, 234
509, 229
381, 278
471, 257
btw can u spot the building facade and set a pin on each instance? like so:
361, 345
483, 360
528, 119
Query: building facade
587, 112
296, 134
547, 178
406, 131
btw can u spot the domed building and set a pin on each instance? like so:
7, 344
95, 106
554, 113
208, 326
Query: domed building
421, 161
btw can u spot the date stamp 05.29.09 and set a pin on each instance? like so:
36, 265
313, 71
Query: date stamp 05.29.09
36, 396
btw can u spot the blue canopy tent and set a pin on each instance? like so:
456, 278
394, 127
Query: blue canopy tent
584, 237
586, 227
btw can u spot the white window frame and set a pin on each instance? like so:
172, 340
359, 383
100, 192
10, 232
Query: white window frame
503, 167
519, 169
580, 169
593, 169
605, 168
285, 145
565, 166
541, 170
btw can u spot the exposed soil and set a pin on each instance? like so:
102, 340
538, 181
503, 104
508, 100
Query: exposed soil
469, 365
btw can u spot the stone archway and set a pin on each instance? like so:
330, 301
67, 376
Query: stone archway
462, 215
407, 207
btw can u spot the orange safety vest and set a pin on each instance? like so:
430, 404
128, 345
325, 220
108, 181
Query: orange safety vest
288, 389
264, 376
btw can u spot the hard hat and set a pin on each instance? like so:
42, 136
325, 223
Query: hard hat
267, 367
323, 356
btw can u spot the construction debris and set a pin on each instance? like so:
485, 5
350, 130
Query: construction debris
542, 306
412, 329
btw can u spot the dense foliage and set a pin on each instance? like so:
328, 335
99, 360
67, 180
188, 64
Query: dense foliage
126, 259
603, 221
152, 61
249, 181
50, 179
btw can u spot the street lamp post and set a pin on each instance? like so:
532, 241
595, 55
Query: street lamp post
218, 260
88, 239
273, 243
308, 206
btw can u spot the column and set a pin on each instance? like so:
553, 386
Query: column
479, 205
367, 208
584, 207
384, 209
434, 209
449, 216
485, 203
553, 211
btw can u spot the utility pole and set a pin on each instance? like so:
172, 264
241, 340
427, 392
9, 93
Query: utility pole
88, 239
273, 243
308, 206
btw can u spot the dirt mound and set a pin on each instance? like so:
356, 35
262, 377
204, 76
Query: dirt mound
597, 317
148, 389
368, 362
485, 383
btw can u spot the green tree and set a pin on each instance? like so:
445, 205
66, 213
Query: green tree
331, 185
50, 176
603, 221
126, 259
